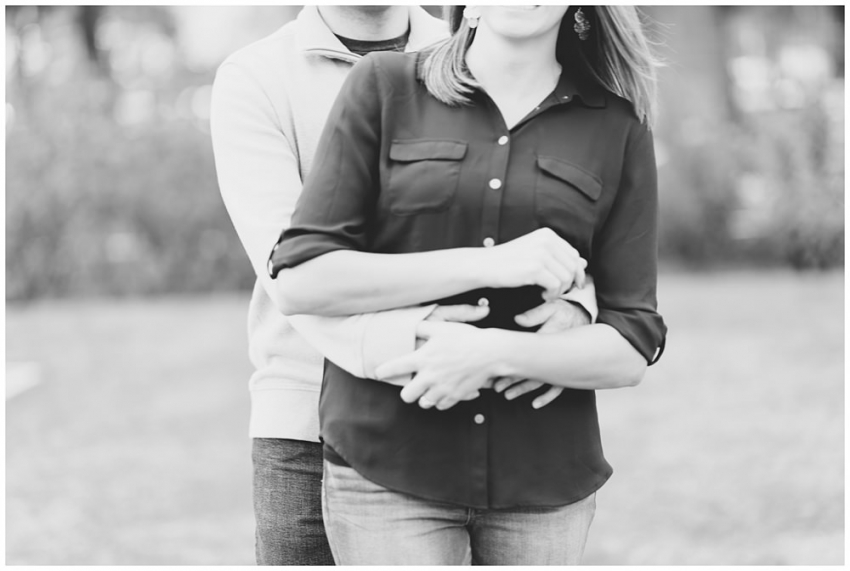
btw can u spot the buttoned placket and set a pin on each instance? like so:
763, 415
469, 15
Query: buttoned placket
494, 193
495, 187
491, 213
479, 444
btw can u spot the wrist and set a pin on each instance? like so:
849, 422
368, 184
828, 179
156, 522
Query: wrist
475, 264
498, 343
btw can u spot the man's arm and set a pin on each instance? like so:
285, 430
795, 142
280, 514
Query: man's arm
260, 182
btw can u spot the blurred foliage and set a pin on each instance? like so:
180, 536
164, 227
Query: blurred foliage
751, 140
769, 191
98, 210
110, 179
112, 191
797, 158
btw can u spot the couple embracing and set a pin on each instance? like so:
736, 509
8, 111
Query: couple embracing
454, 233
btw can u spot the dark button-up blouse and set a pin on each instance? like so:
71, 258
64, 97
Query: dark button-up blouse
397, 171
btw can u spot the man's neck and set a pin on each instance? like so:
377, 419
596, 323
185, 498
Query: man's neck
366, 23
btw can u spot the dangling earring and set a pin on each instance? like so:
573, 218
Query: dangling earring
472, 14
582, 26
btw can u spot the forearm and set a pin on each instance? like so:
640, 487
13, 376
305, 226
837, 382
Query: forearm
359, 343
590, 357
346, 282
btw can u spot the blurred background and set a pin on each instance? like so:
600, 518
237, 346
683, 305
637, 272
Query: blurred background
127, 293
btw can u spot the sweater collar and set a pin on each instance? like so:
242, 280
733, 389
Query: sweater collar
314, 35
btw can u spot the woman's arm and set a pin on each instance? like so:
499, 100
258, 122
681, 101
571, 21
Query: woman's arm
345, 282
596, 356
458, 359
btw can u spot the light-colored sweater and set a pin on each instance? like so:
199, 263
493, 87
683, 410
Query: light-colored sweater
270, 102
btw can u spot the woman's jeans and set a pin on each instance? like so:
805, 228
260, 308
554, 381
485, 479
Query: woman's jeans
288, 503
368, 524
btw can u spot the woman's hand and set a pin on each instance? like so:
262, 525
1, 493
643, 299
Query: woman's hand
539, 258
553, 317
454, 363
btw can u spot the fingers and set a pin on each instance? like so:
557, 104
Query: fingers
446, 403
502, 383
520, 389
565, 272
415, 390
567, 258
559, 270
459, 313
537, 315
547, 397
428, 393
569, 264
425, 329
551, 282
526, 386
581, 276
404, 365
430, 397
565, 315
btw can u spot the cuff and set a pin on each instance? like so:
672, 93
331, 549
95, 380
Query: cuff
585, 297
645, 330
391, 334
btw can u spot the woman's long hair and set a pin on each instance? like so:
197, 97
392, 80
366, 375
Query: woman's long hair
617, 55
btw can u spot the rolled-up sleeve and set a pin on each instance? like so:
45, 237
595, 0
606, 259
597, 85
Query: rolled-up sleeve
339, 193
624, 263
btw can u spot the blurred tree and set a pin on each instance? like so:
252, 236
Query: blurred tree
87, 19
747, 94
838, 14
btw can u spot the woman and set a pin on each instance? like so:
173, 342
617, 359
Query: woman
525, 133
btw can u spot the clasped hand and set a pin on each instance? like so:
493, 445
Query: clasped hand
539, 258
454, 361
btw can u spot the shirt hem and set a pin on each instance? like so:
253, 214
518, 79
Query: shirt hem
597, 483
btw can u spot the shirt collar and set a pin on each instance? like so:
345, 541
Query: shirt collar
315, 36
587, 90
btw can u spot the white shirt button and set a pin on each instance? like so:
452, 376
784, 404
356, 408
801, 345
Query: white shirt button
483, 302
489, 242
495, 184
479, 419
503, 140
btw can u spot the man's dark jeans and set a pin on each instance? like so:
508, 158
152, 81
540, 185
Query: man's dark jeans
288, 503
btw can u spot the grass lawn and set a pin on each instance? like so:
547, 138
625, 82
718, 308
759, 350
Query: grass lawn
133, 448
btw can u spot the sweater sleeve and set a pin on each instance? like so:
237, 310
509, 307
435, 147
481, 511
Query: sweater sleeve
259, 181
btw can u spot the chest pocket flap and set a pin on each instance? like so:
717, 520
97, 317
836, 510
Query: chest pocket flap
575, 176
427, 149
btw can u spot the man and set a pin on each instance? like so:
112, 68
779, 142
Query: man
270, 102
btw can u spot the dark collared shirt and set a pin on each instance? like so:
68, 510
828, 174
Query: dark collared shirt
397, 171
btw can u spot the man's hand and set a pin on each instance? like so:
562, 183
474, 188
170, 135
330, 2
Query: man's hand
456, 313
451, 366
555, 316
